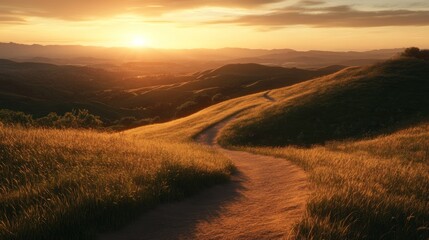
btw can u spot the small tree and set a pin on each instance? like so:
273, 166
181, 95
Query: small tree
49, 120
416, 53
411, 52
87, 120
9, 117
68, 120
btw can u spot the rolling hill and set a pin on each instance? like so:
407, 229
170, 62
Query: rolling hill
366, 147
371, 182
353, 103
40, 88
363, 185
317, 59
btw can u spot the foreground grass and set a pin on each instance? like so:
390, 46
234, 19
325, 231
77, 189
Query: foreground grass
369, 189
71, 184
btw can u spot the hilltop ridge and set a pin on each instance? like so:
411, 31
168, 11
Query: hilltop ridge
353, 103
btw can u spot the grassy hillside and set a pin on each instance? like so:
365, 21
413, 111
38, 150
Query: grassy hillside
369, 189
353, 103
74, 183
364, 188
70, 184
371, 182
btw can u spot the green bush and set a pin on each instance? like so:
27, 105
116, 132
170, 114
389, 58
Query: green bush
9, 117
49, 120
81, 118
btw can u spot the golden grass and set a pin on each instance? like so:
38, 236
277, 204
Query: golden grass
61, 181
373, 189
353, 103
73, 183
250, 106
67, 183
185, 129
411, 144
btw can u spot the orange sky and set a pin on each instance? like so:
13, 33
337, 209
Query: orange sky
299, 24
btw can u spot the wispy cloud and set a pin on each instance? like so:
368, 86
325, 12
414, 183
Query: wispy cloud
90, 9
8, 17
311, 13
275, 14
11, 20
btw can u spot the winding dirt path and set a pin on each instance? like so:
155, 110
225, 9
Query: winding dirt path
263, 201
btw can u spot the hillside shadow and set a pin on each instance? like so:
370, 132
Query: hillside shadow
363, 103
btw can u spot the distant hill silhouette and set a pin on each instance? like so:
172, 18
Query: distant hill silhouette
161, 61
317, 59
40, 88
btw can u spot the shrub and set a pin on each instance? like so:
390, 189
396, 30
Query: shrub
9, 117
81, 118
87, 120
416, 53
49, 120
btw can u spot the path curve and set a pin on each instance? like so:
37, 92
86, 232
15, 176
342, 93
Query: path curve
263, 201
267, 96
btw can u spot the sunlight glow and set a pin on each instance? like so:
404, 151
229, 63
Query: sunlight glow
139, 41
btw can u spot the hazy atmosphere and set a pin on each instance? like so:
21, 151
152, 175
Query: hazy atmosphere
301, 25
214, 119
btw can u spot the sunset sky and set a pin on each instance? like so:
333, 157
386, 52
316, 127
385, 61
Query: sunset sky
302, 24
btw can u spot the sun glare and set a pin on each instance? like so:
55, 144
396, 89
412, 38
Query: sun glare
138, 41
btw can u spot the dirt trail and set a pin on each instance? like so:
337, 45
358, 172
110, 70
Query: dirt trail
268, 97
263, 201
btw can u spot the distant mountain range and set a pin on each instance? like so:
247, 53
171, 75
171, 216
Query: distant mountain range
175, 61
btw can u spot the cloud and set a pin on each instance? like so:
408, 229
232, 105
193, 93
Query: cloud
310, 3
314, 13
11, 20
309, 13
88, 9
7, 17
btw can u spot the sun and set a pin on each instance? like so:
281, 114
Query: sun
138, 41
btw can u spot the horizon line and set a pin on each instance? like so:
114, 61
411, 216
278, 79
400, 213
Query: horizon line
199, 48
